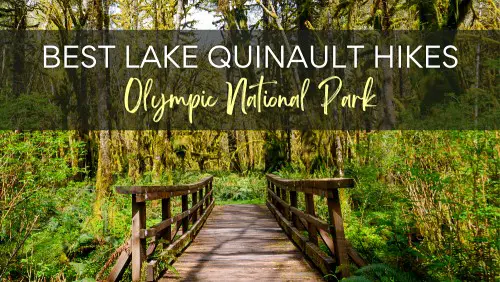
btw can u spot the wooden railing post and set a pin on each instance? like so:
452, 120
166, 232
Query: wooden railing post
278, 193
211, 190
339, 241
194, 201
284, 197
185, 221
271, 186
166, 212
138, 245
311, 229
201, 199
293, 203
207, 201
267, 191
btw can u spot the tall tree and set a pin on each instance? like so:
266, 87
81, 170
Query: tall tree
104, 169
14, 16
381, 21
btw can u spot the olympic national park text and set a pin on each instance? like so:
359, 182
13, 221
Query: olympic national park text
243, 97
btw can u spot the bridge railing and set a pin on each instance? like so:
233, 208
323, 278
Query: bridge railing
282, 200
144, 241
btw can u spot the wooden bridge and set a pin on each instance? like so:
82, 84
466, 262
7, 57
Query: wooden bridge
237, 242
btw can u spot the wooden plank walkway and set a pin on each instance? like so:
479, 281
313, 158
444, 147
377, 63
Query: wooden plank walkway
242, 243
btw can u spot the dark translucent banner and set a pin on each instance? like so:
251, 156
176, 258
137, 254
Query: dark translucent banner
249, 80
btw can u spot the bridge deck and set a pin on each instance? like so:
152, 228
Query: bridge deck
242, 243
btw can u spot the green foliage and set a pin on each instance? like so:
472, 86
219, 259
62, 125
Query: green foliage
233, 187
275, 156
34, 111
62, 244
424, 203
382, 273
33, 173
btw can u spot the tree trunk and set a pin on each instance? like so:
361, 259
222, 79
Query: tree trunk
104, 173
388, 94
19, 25
232, 142
339, 160
249, 147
